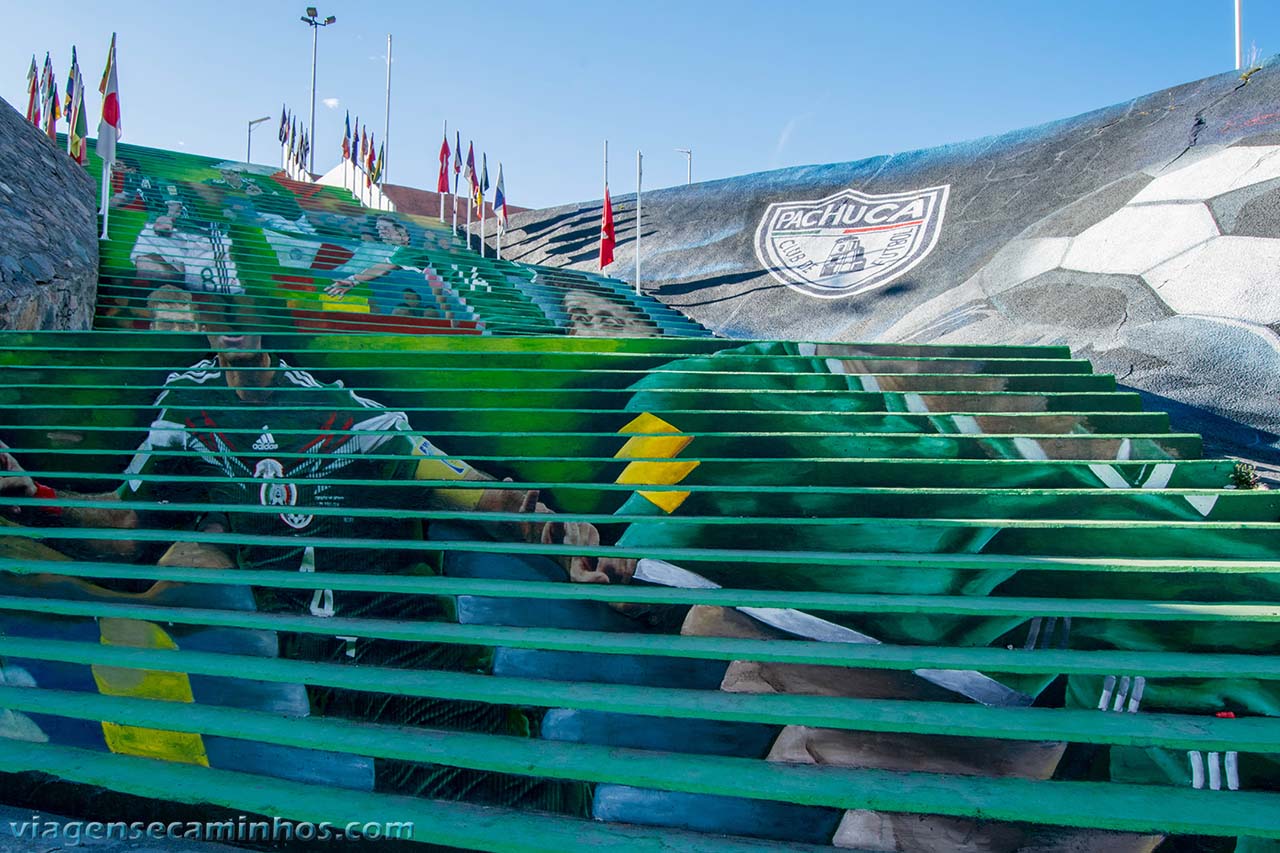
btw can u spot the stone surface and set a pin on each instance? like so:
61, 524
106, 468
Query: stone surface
1225, 277
1135, 239
1227, 170
48, 232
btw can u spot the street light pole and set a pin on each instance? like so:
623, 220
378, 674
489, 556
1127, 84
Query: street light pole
248, 148
688, 155
312, 19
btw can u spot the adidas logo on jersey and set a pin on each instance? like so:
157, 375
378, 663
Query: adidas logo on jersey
266, 441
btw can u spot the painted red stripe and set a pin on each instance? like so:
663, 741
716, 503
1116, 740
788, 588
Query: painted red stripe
881, 227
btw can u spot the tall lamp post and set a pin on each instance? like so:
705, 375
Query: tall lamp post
248, 147
688, 156
312, 19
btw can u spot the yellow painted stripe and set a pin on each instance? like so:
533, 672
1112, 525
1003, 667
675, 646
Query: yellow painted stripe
655, 473
185, 747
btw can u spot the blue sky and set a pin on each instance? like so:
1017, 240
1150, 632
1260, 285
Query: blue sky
749, 86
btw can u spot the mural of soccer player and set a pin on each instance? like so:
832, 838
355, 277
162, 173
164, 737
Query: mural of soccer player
244, 430
174, 247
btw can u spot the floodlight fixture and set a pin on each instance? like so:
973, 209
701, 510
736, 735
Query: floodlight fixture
312, 19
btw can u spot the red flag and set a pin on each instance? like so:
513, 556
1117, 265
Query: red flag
606, 232
442, 185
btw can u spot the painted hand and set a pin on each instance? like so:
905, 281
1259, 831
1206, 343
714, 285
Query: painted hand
340, 288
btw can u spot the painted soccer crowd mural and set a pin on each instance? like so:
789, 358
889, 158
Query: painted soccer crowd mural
311, 258
249, 430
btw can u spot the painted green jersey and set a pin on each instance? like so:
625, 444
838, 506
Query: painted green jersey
290, 456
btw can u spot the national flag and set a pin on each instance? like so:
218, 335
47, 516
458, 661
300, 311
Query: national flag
471, 167
442, 183
482, 183
606, 231
282, 133
109, 128
33, 93
500, 203
70, 94
77, 121
377, 166
346, 139
457, 157
52, 110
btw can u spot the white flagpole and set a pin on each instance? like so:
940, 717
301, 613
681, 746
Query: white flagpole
106, 195
446, 174
386, 127
1239, 40
639, 178
469, 194
480, 213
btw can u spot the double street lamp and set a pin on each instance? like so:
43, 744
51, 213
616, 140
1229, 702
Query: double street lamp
312, 19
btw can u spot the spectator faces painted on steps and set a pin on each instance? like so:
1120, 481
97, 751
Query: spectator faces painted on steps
591, 315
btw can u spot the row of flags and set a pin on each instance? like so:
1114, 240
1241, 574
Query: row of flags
295, 141
477, 182
45, 108
360, 149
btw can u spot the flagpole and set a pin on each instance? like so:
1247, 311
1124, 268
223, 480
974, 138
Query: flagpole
1239, 40
468, 220
386, 127
106, 197
639, 178
481, 214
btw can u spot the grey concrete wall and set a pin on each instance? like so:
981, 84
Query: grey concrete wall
48, 232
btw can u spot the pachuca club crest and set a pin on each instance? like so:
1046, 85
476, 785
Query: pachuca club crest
849, 242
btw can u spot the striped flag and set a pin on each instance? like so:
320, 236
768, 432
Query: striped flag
77, 123
346, 139
471, 167
283, 132
500, 203
110, 129
33, 93
482, 183
378, 164
50, 107
457, 154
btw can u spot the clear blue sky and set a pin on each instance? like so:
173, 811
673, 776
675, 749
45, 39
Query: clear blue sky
747, 85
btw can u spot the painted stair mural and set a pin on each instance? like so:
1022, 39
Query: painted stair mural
547, 567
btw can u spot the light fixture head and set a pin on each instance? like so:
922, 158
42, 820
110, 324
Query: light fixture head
332, 19
311, 12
